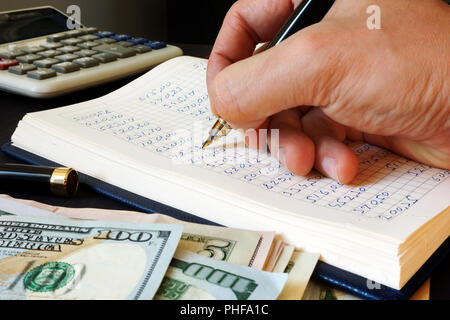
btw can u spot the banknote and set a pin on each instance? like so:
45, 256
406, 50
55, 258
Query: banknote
275, 252
244, 247
47, 258
194, 277
300, 268
319, 291
284, 259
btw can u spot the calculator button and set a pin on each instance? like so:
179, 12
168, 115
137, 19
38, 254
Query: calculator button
33, 49
50, 53
41, 74
52, 45
88, 37
137, 41
75, 33
104, 34
125, 44
56, 37
105, 57
106, 41
88, 45
121, 37
22, 68
46, 63
66, 67
155, 45
142, 49
90, 30
85, 53
29, 58
116, 50
69, 49
11, 54
6, 63
67, 57
72, 41
86, 62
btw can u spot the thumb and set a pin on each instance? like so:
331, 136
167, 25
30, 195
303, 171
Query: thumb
302, 70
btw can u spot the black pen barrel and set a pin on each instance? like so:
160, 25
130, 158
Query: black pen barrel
307, 13
36, 179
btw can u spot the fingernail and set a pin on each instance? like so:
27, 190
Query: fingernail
329, 165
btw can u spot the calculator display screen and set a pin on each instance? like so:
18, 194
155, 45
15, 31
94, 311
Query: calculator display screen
27, 24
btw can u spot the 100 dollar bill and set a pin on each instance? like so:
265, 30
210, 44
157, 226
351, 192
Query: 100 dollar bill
244, 247
193, 277
42, 258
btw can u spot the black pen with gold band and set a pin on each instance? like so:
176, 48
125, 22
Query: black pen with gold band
36, 179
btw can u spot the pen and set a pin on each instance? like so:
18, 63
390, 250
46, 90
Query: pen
307, 13
58, 181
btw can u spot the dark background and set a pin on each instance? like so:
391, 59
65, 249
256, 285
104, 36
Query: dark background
176, 21
192, 25
197, 23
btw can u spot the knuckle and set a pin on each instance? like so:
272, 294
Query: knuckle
316, 40
233, 15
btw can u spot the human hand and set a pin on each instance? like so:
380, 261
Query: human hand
338, 80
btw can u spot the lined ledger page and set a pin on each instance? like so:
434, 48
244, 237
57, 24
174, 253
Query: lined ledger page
158, 123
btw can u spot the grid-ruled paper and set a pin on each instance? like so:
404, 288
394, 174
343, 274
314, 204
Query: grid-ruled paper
169, 115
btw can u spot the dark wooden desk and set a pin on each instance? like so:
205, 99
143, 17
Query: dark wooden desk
14, 107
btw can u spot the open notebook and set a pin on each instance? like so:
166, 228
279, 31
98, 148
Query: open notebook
146, 138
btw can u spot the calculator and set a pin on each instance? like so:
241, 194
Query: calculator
41, 57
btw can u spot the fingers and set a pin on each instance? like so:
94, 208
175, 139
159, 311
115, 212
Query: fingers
296, 150
303, 70
333, 158
308, 139
248, 23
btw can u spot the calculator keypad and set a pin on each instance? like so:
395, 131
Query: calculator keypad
72, 41
34, 49
67, 57
88, 45
56, 37
142, 49
22, 68
69, 49
42, 74
66, 67
105, 57
105, 41
29, 58
85, 53
88, 37
45, 63
50, 53
6, 63
72, 51
86, 62
11, 54
119, 51
52, 45
125, 44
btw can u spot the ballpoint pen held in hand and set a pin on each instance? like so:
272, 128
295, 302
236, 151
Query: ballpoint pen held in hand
306, 14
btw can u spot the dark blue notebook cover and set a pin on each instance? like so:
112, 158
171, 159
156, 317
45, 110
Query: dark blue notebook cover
323, 272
